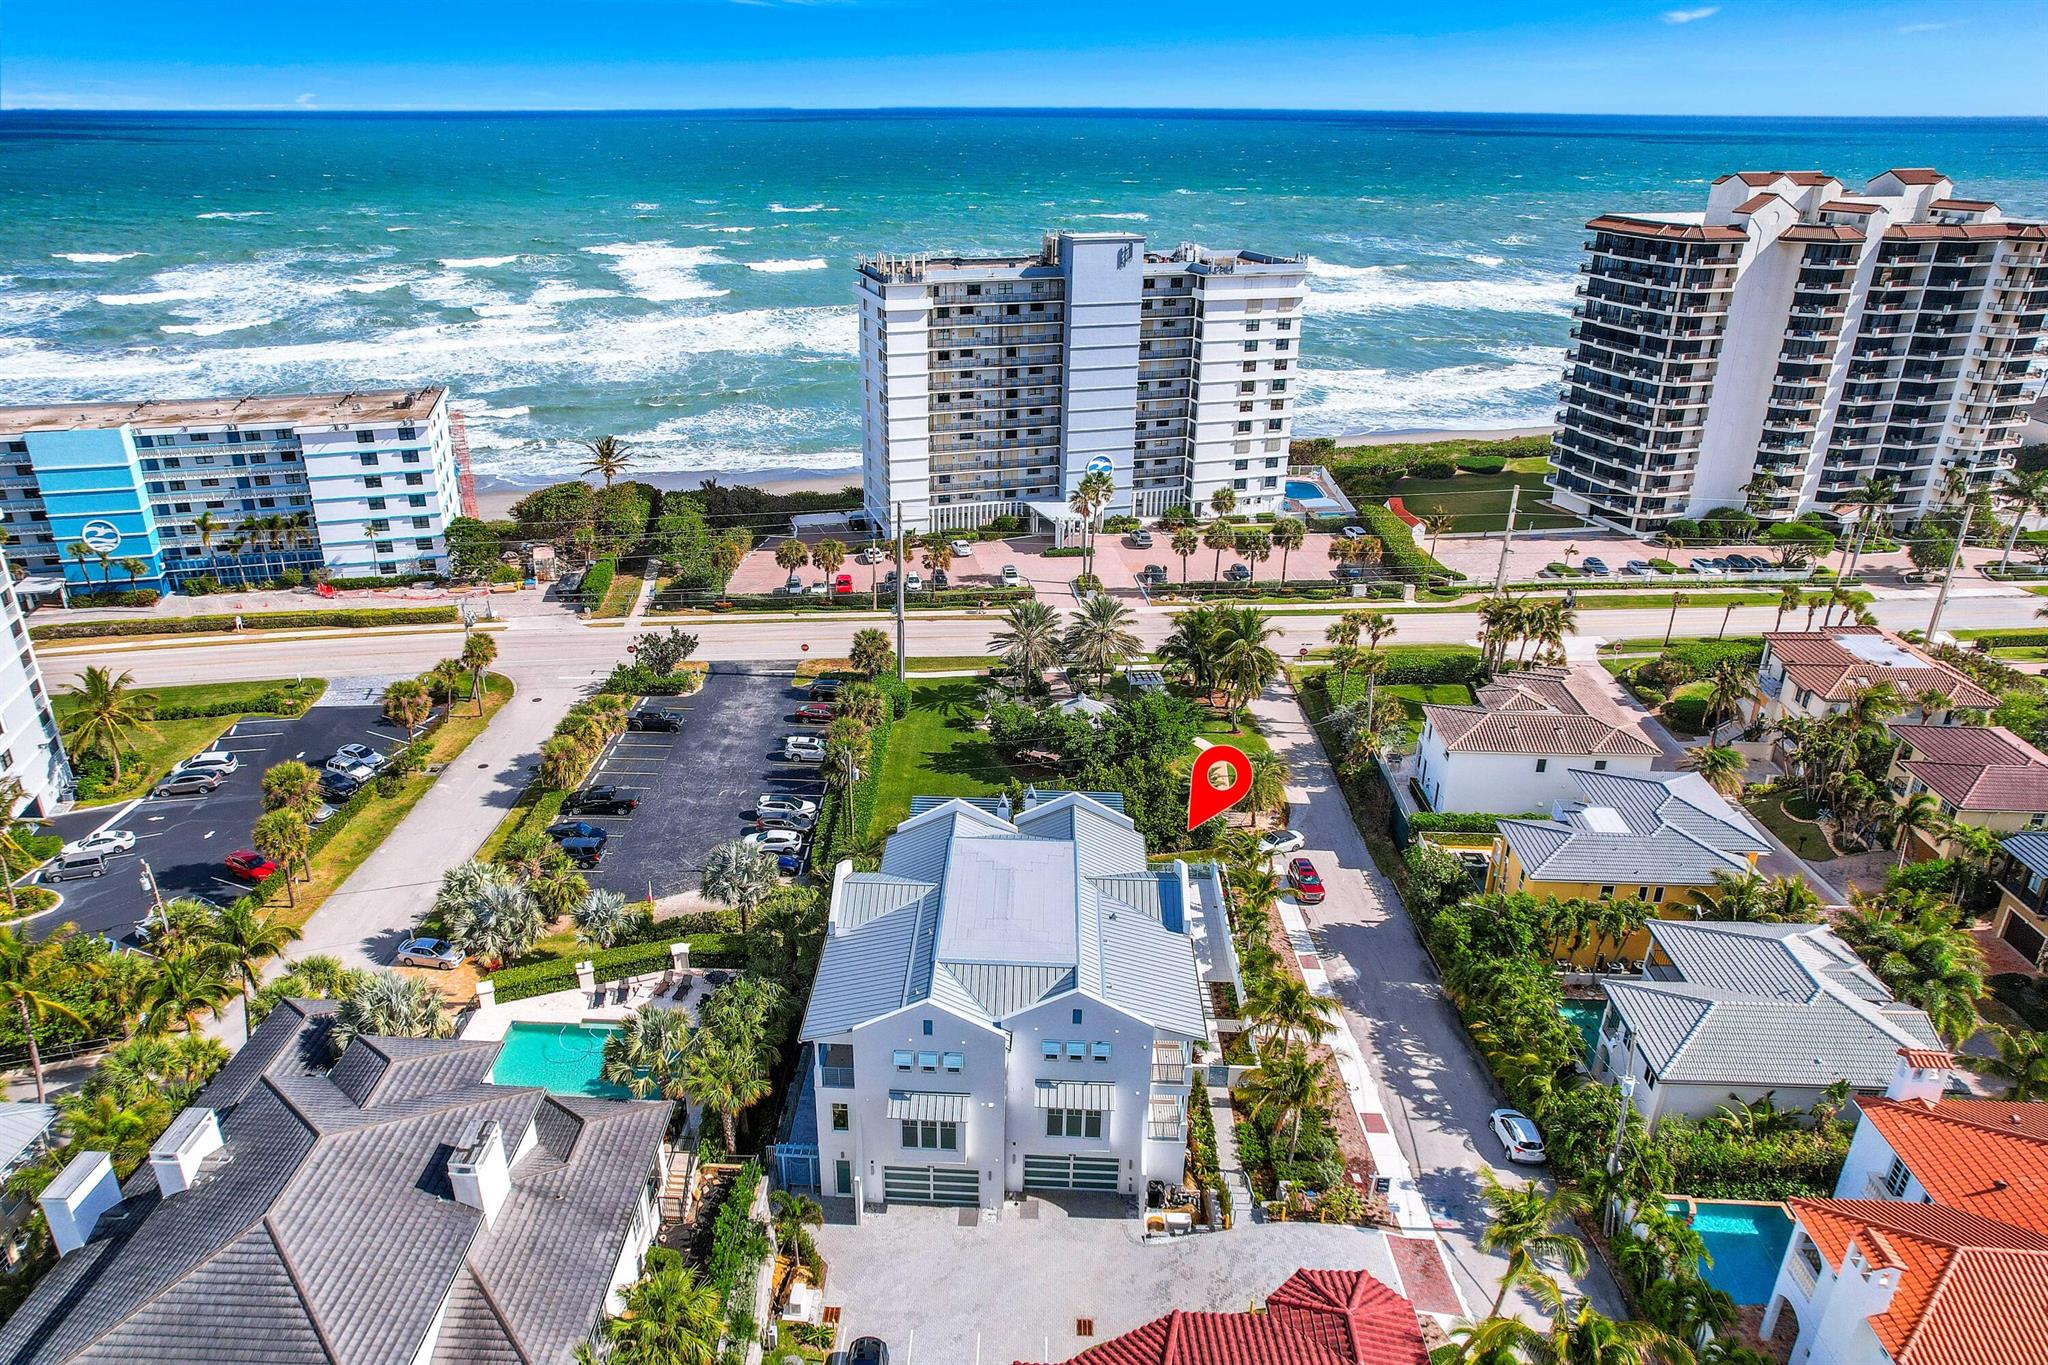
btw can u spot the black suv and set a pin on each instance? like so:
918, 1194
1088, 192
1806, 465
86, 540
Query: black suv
338, 786
826, 689
655, 718
585, 853
605, 800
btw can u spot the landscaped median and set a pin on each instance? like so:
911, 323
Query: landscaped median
338, 618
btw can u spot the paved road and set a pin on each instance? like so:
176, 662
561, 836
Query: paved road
1438, 1092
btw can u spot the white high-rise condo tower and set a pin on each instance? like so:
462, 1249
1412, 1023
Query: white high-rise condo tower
31, 751
989, 387
1794, 344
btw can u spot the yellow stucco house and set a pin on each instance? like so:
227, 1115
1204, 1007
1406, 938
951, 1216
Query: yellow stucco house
1657, 837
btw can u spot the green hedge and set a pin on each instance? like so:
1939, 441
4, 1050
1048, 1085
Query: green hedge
610, 964
597, 581
1423, 664
1463, 821
631, 680
339, 617
1686, 713
290, 699
832, 832
380, 580
858, 600
2004, 639
1062, 552
1399, 552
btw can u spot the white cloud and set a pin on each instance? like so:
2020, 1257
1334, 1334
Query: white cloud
305, 101
1687, 16
1923, 28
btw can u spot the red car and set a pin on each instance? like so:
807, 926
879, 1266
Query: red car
815, 712
1308, 886
250, 866
843, 583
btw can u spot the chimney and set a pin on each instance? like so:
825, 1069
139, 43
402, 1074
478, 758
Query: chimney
73, 1203
840, 872
479, 1171
192, 1137
1921, 1074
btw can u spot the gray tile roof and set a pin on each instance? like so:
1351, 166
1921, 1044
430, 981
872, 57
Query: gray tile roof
1764, 1004
1669, 829
325, 1229
988, 916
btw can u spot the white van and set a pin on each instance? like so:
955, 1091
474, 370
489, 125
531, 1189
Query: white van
82, 863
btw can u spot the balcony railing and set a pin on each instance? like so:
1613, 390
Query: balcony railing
835, 1078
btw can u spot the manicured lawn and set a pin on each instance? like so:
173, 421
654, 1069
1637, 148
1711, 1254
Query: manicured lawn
1790, 817
619, 598
169, 742
1480, 501
936, 751
1411, 696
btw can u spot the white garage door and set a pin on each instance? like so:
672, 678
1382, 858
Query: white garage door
931, 1184
1071, 1173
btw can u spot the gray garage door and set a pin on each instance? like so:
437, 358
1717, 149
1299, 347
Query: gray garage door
1070, 1173
931, 1185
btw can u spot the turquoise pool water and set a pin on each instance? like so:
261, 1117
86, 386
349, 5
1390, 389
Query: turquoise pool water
1303, 490
562, 1059
1584, 1015
1746, 1241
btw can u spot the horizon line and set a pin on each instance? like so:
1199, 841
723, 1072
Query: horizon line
314, 111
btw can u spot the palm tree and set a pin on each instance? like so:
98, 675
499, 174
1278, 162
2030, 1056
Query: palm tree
1246, 662
1100, 637
1916, 950
671, 1318
1185, 543
407, 704
501, 920
106, 713
206, 526
1523, 1229
1729, 686
1219, 536
792, 554
122, 1126
32, 973
1280, 1005
645, 1053
1029, 643
739, 875
1720, 764
1373, 627
728, 1079
1254, 548
602, 918
871, 654
190, 978
1919, 813
1090, 496
1677, 600
1437, 524
1289, 535
2022, 1060
1285, 1087
246, 939
609, 458
792, 1216
828, 555
479, 652
1749, 897
388, 1005
1223, 502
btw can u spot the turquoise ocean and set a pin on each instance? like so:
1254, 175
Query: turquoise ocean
685, 280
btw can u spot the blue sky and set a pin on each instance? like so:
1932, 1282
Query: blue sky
1848, 57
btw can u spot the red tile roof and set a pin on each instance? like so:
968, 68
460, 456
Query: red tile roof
1987, 768
1821, 232
1757, 201
1966, 205
1318, 1317
1846, 206
1970, 1289
1967, 232
2000, 1115
1643, 227
1815, 661
1915, 175
1966, 1164
1756, 179
1928, 1058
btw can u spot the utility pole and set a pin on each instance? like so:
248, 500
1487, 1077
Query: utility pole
1507, 538
902, 571
1955, 555
1627, 1087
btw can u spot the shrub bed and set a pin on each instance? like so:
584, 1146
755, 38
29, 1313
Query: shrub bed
597, 581
610, 964
369, 582
359, 618
286, 699
637, 680
860, 600
1463, 821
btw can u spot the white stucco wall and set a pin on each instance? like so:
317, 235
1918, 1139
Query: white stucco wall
1506, 784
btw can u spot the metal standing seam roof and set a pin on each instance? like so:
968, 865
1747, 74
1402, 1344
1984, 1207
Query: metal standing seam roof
927, 1105
22, 1125
2030, 848
1075, 1095
1675, 830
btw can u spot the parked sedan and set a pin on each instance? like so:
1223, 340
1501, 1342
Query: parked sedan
1636, 567
577, 829
1238, 573
776, 841
842, 583
600, 800
1701, 564
213, 760
1306, 881
339, 786
1354, 532
783, 819
1594, 566
771, 804
437, 953
1518, 1133
1012, 577
655, 718
106, 841
1141, 540
961, 548
803, 748
816, 712
1281, 841
200, 783
361, 753
249, 865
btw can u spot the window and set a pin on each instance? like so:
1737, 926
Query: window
954, 1062
1895, 1179
1606, 893
1049, 1049
1077, 1016
931, 1135
1077, 1052
1541, 764
1656, 895
1642, 893
1073, 1123
1251, 345
373, 481
1599, 765
1100, 1052
365, 438
840, 1120
902, 1059
415, 480
408, 433
927, 1061
375, 504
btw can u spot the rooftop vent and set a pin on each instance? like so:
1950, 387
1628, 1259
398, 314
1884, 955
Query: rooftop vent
479, 1172
74, 1202
192, 1137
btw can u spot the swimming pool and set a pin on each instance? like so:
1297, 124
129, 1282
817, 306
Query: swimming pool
1305, 490
1584, 1015
563, 1059
1746, 1241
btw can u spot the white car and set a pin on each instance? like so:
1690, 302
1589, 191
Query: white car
108, 841
962, 548
357, 773
213, 760
804, 748
358, 753
1011, 577
1281, 841
913, 583
771, 804
1518, 1133
775, 840
1354, 533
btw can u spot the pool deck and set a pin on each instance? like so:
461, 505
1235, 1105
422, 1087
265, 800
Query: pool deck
575, 1007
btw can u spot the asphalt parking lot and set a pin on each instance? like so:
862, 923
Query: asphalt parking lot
698, 788
184, 839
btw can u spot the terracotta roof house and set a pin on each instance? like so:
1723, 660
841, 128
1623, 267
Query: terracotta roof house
1935, 1249
1816, 673
1512, 751
1985, 776
389, 1205
1317, 1317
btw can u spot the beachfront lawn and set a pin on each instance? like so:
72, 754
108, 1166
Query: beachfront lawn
170, 742
935, 750
1792, 818
1480, 501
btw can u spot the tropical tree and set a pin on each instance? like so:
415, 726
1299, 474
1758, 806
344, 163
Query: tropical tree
1523, 1229
479, 652
291, 785
1678, 599
1029, 642
1219, 536
1099, 638
871, 654
1750, 897
1280, 1005
388, 1005
828, 555
645, 1053
1185, 543
791, 1218
671, 1318
407, 704
245, 939
792, 554
2022, 1060
608, 459
106, 713
1721, 764
123, 1125
1919, 813
739, 875
726, 555
1916, 950
1729, 685
32, 975
206, 526
1254, 548
1437, 524
602, 918
727, 1078
1289, 535
500, 920
1286, 1087
190, 979
1246, 662
1090, 496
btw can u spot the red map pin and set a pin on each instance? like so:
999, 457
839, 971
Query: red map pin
1206, 800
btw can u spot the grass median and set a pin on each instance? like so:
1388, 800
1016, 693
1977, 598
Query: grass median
171, 741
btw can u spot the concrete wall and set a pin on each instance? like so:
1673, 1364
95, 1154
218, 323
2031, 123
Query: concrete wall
92, 491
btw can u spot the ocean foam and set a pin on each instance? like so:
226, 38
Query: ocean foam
212, 329
237, 217
1119, 217
1521, 392
787, 267
96, 257
807, 208
157, 296
1391, 288
661, 273
478, 262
